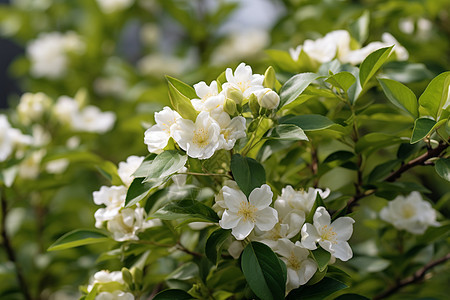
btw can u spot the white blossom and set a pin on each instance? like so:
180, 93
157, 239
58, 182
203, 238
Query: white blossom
292, 201
32, 107
321, 50
66, 110
57, 166
29, 168
92, 119
6, 140
111, 6
199, 139
219, 205
128, 223
230, 131
267, 98
126, 169
210, 98
243, 80
300, 268
116, 295
332, 237
49, 53
410, 213
242, 215
157, 136
105, 276
113, 198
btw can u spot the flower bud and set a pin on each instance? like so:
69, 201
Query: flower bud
253, 104
267, 98
269, 78
127, 277
234, 94
230, 107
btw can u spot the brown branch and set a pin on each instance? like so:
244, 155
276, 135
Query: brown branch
416, 277
421, 160
10, 251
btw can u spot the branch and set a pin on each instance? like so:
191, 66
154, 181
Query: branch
10, 251
416, 277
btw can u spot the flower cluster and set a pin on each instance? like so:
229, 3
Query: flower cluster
124, 223
217, 125
110, 286
49, 53
410, 213
337, 44
253, 218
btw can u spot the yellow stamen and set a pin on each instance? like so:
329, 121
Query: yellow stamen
327, 233
247, 211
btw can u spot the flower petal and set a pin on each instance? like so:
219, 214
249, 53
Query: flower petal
266, 219
243, 229
310, 236
229, 220
233, 198
343, 227
342, 251
321, 217
261, 197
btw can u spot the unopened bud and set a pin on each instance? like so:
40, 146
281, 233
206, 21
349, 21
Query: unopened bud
127, 277
137, 275
267, 98
269, 78
230, 107
234, 94
253, 104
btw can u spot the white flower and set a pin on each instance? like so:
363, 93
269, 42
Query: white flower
331, 237
66, 110
199, 139
111, 6
57, 166
300, 268
48, 53
242, 215
105, 276
230, 131
267, 98
6, 140
295, 52
157, 136
321, 50
219, 205
125, 225
116, 295
114, 198
297, 201
410, 213
32, 107
92, 119
243, 79
210, 98
29, 168
126, 169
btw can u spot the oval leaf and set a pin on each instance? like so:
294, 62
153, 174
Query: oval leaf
248, 173
186, 209
139, 189
400, 95
182, 87
263, 271
318, 291
181, 103
214, 244
442, 167
165, 164
79, 237
288, 132
295, 86
308, 122
173, 294
434, 97
372, 64
422, 127
343, 80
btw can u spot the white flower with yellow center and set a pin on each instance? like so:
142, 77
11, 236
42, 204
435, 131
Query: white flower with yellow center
129, 222
92, 119
210, 98
230, 131
410, 213
332, 237
199, 139
111, 196
126, 169
157, 136
297, 201
300, 268
242, 215
243, 80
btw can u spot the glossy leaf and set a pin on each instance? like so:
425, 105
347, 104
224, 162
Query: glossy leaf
340, 155
287, 132
382, 170
343, 80
308, 122
295, 86
79, 237
214, 243
139, 189
191, 210
182, 87
400, 95
442, 167
322, 258
181, 103
318, 291
422, 127
360, 28
372, 64
165, 164
248, 173
434, 97
144, 169
263, 271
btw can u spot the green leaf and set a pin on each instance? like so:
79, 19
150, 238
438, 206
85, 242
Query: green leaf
400, 95
109, 171
376, 140
287, 132
442, 167
263, 272
360, 28
435, 96
338, 274
308, 122
270, 80
187, 210
248, 173
79, 237
295, 86
343, 80
173, 294
181, 103
322, 258
144, 168
214, 244
318, 291
422, 127
283, 60
372, 64
340, 155
165, 164
382, 170
182, 87
317, 202
139, 189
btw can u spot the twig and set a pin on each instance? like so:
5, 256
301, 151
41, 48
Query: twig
416, 277
186, 250
10, 251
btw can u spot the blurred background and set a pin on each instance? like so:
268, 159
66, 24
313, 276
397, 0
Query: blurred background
115, 54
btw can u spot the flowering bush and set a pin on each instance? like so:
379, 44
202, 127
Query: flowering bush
322, 177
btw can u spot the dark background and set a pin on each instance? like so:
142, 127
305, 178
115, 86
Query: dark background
8, 51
